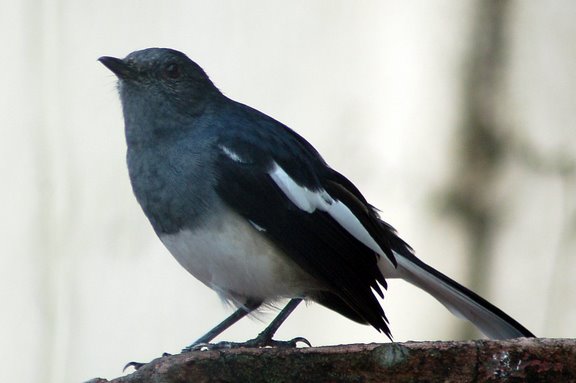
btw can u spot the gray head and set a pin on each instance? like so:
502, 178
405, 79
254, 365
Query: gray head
157, 85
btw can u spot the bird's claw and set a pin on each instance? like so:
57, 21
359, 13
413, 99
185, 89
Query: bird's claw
138, 365
197, 347
258, 342
292, 343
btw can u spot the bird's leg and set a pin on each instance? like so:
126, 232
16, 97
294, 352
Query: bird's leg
264, 339
203, 340
225, 324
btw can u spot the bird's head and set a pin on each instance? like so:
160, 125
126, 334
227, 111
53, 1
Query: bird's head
160, 78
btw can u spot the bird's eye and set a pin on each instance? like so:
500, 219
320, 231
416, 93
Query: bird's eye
172, 71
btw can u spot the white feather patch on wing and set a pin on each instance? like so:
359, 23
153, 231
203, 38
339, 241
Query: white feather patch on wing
256, 226
231, 154
304, 198
310, 200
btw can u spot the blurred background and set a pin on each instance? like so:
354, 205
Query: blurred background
456, 118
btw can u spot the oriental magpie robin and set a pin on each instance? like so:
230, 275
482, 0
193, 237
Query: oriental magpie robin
251, 209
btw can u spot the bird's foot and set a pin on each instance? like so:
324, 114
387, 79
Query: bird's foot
138, 365
260, 341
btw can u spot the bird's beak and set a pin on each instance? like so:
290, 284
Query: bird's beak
118, 66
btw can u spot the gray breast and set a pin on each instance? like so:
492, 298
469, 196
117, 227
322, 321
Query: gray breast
173, 183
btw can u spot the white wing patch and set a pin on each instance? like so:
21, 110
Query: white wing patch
310, 200
302, 197
231, 154
256, 226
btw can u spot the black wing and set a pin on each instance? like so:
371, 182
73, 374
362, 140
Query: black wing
314, 240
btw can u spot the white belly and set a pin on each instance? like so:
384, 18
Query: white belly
233, 258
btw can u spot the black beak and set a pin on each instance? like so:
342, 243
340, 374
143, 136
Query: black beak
117, 66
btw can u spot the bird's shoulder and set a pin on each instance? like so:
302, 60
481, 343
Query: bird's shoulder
251, 141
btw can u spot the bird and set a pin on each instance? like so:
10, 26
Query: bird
252, 210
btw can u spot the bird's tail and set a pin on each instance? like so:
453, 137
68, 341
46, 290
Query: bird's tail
462, 302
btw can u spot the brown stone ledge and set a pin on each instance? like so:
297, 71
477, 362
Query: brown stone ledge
518, 360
